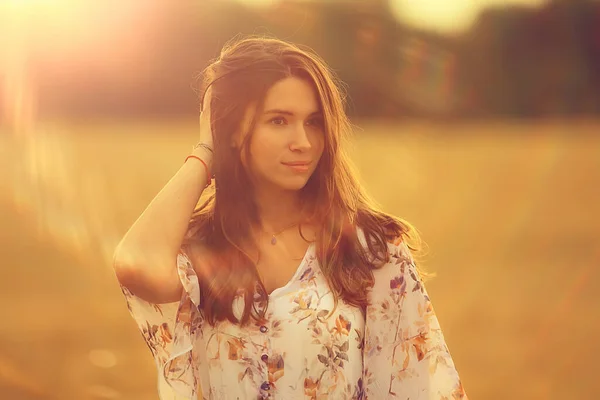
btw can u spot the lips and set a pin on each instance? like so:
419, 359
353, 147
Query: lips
297, 163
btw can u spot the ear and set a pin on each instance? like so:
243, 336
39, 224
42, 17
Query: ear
236, 140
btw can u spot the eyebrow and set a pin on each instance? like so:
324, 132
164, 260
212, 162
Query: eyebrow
286, 112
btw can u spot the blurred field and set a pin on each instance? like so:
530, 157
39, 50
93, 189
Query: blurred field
509, 212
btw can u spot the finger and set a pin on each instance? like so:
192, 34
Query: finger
207, 97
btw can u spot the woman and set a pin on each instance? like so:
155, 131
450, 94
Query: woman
287, 282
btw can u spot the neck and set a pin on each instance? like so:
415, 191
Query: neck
278, 210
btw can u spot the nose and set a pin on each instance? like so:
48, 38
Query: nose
299, 140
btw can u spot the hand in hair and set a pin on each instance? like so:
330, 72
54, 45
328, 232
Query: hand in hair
206, 134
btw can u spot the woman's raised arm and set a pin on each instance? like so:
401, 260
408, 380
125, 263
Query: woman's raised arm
145, 259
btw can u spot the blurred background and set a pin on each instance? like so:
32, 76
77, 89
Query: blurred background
478, 121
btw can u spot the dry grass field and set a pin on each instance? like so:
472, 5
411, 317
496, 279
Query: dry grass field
509, 212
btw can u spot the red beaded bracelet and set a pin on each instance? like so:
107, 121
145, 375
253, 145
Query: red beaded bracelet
205, 167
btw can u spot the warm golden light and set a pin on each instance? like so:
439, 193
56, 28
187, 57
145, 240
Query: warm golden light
64, 34
259, 3
447, 16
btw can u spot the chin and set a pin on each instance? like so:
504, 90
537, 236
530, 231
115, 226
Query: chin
295, 183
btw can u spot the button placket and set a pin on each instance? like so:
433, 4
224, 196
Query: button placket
266, 386
265, 389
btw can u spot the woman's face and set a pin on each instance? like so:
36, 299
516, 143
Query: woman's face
289, 131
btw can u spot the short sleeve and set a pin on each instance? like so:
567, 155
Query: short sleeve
405, 354
169, 330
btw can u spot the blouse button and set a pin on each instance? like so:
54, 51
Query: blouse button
265, 386
264, 357
263, 329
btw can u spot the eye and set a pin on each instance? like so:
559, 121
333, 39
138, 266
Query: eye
277, 119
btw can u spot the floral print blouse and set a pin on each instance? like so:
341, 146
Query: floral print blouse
395, 351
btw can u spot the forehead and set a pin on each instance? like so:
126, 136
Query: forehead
292, 94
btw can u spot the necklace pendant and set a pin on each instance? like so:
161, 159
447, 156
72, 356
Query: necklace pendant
273, 240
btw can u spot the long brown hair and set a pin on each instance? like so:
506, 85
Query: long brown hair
241, 76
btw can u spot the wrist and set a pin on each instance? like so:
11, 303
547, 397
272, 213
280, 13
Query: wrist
204, 154
205, 167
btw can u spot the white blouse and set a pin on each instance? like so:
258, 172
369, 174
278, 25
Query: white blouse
301, 352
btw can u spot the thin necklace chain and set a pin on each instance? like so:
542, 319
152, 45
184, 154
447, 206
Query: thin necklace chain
274, 235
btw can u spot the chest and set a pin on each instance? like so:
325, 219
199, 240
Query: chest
278, 266
300, 342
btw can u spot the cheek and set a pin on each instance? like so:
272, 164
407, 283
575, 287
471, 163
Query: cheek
268, 143
318, 144
264, 152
